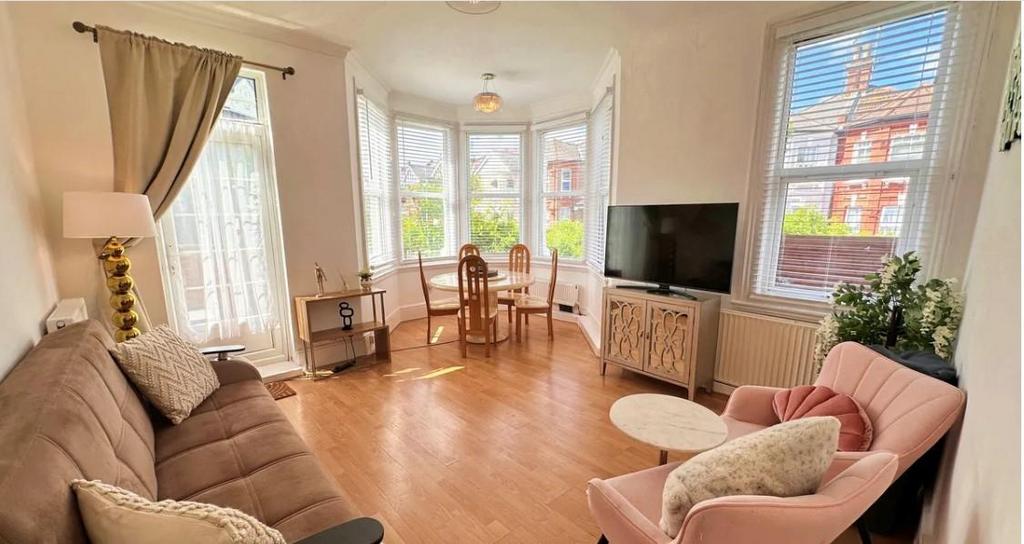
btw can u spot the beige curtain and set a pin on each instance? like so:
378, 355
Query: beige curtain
164, 99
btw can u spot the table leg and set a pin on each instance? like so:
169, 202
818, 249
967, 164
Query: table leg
662, 457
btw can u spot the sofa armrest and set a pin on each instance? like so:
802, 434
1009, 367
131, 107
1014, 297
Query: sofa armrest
356, 531
753, 404
235, 370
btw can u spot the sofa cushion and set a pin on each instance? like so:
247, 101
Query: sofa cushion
170, 372
785, 460
68, 412
238, 450
818, 400
115, 516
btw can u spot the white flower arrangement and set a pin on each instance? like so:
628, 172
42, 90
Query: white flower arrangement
891, 310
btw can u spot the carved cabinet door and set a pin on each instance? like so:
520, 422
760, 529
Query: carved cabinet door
624, 339
669, 330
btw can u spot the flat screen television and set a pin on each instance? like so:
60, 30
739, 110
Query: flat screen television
672, 245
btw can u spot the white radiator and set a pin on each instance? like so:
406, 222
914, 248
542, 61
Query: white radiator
760, 350
565, 293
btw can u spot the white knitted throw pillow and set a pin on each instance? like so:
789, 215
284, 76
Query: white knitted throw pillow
784, 460
171, 373
114, 516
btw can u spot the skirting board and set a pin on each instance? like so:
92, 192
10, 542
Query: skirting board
725, 389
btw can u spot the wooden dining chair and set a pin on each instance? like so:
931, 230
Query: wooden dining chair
526, 304
518, 261
468, 249
435, 308
474, 301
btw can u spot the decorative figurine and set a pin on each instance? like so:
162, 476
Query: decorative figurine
321, 278
346, 312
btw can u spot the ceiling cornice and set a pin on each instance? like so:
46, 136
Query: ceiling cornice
228, 17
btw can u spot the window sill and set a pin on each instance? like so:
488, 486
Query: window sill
451, 263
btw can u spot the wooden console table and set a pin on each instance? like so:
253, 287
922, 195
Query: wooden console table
312, 339
666, 337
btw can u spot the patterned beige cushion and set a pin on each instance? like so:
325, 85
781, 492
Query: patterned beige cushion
785, 460
170, 372
114, 516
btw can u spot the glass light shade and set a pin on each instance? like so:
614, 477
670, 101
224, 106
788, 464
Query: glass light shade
487, 102
102, 215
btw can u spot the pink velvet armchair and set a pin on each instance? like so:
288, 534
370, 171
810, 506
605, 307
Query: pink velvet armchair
627, 509
909, 411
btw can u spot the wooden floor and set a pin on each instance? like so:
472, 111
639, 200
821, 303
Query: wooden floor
443, 449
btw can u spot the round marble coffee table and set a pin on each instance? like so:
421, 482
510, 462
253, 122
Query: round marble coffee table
668, 423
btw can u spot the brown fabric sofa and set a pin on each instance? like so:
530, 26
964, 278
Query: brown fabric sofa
67, 411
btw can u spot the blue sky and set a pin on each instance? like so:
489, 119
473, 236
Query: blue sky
906, 54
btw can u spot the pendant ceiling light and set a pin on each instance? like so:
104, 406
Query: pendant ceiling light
474, 7
487, 101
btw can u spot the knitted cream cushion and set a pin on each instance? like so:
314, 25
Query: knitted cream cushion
171, 373
114, 516
785, 460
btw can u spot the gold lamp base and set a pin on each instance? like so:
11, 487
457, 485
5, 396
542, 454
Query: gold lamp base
116, 265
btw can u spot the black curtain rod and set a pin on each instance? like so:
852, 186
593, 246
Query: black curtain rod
286, 71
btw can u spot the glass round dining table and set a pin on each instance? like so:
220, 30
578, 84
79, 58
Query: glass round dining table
504, 281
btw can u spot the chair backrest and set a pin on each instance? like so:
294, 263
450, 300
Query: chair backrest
909, 411
519, 258
468, 249
519, 261
554, 277
807, 519
474, 298
423, 281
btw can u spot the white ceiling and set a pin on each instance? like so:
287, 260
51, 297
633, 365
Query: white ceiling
539, 51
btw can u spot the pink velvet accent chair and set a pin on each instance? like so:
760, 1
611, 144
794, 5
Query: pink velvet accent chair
628, 508
909, 411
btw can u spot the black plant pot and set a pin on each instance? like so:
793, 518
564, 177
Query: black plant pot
925, 362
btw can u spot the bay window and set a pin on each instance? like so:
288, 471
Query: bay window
426, 189
561, 179
857, 148
418, 199
374, 141
599, 131
495, 183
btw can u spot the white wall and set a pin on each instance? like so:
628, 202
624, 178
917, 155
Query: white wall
27, 286
690, 80
978, 496
70, 132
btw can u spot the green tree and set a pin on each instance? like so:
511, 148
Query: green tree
808, 221
423, 222
566, 236
493, 231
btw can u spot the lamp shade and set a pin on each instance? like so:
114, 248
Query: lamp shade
102, 215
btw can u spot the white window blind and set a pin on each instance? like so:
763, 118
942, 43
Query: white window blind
426, 189
598, 186
222, 259
494, 171
376, 182
860, 134
561, 182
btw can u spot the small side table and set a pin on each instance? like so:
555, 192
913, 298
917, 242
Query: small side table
668, 423
310, 339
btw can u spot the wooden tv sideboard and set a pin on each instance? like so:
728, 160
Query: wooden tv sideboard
668, 337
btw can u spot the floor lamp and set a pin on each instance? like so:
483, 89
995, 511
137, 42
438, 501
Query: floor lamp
114, 217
